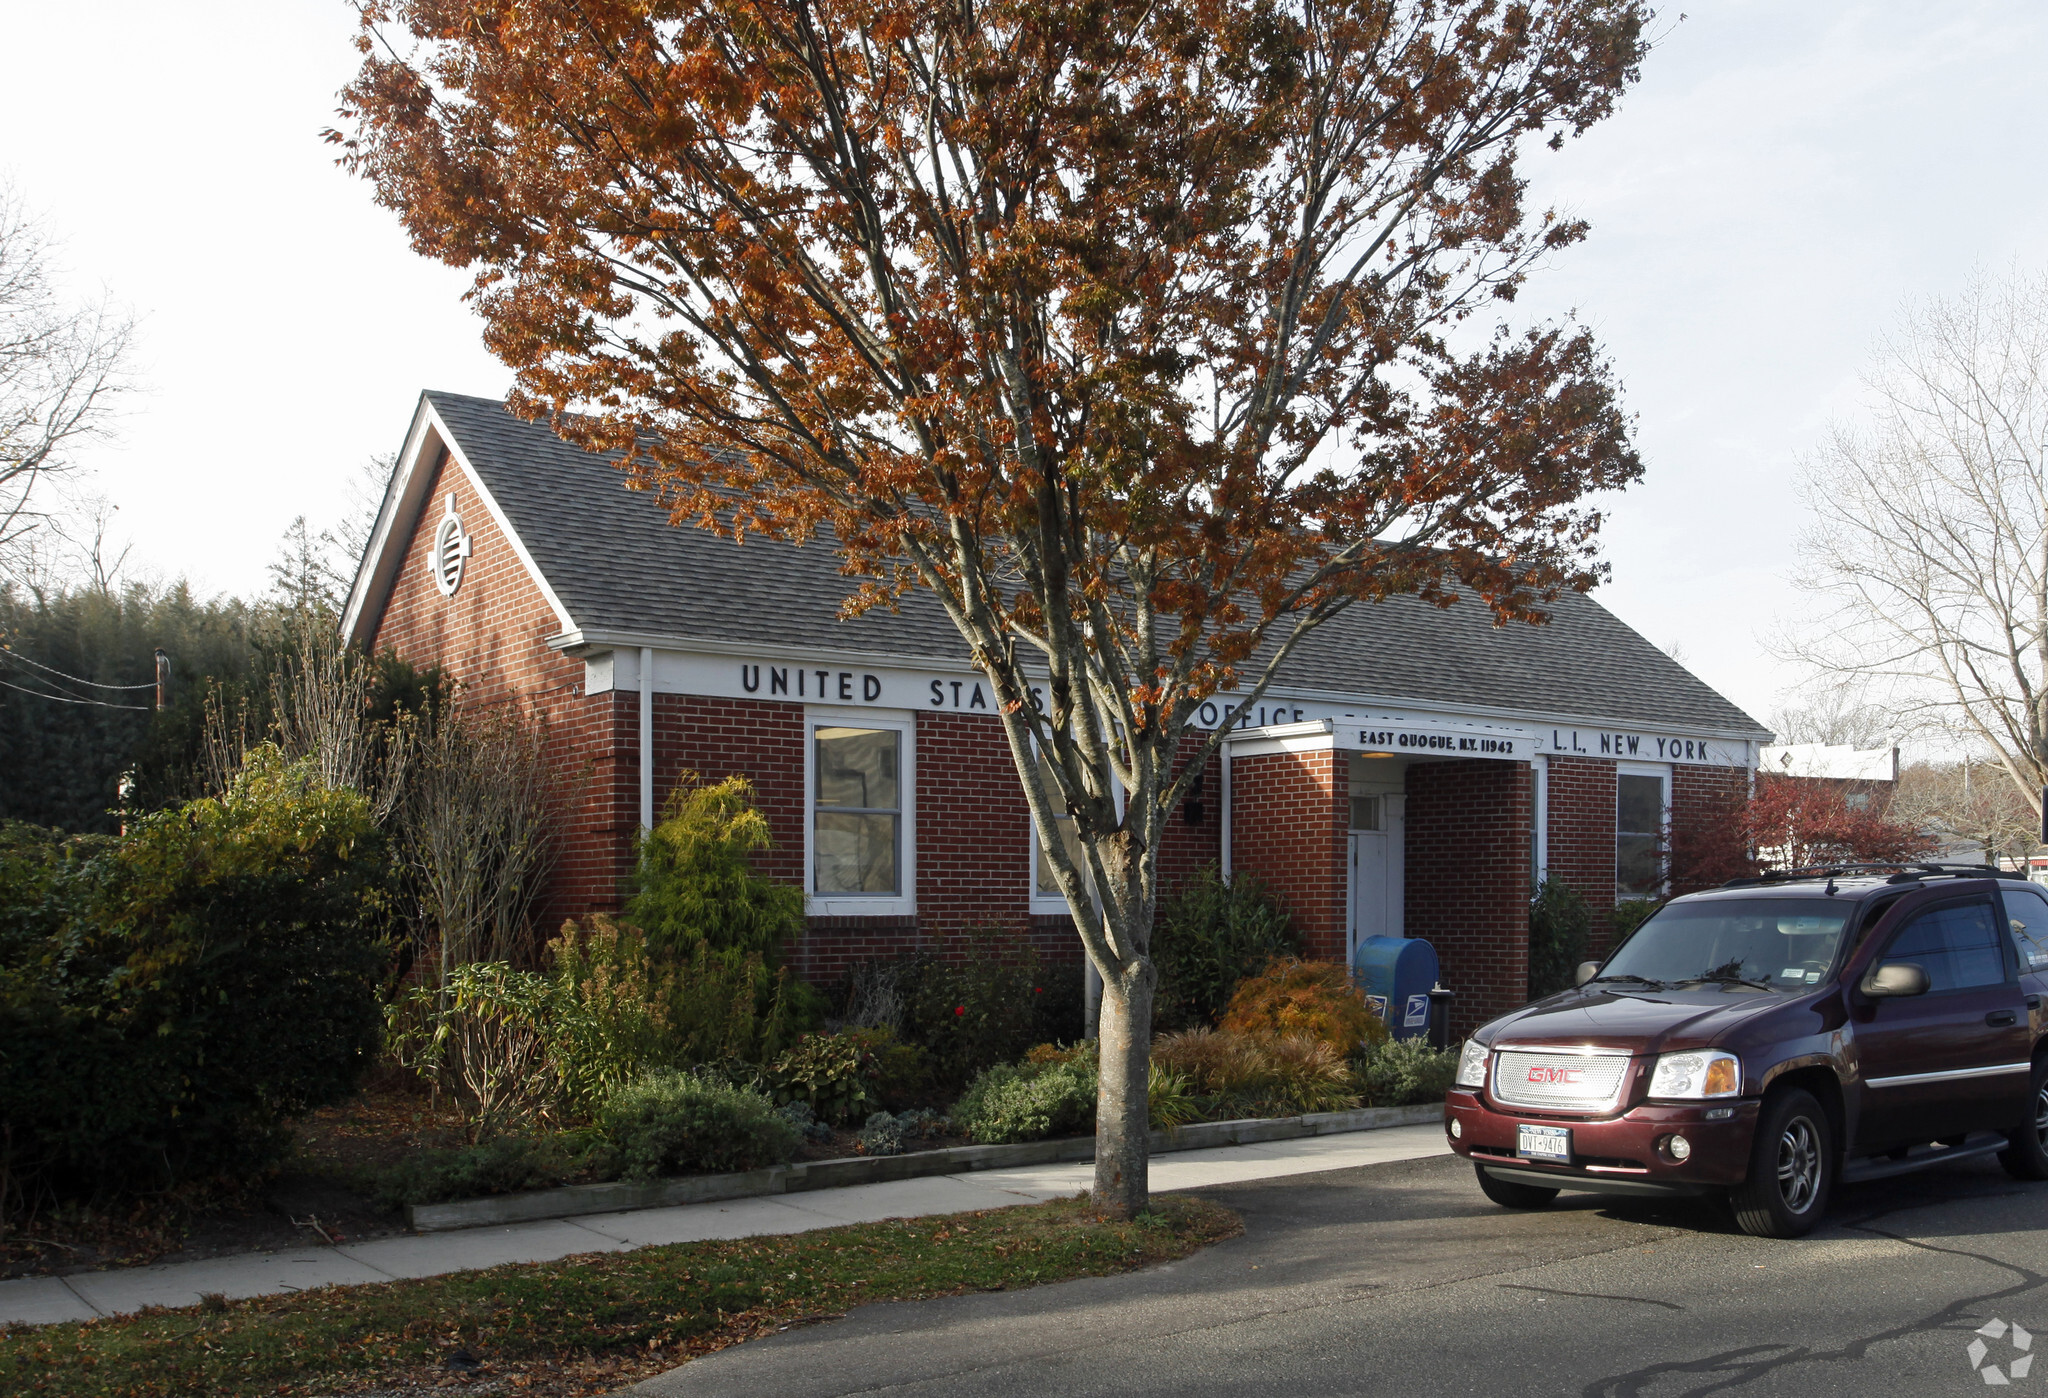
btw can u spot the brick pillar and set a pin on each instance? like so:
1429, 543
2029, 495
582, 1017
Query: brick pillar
1289, 814
1468, 847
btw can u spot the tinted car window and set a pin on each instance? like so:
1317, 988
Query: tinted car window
2026, 916
1957, 946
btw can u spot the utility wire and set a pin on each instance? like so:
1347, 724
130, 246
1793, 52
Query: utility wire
17, 655
62, 699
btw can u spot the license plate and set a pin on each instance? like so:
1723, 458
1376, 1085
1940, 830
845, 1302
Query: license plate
1544, 1143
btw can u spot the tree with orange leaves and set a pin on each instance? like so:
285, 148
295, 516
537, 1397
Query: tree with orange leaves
1129, 329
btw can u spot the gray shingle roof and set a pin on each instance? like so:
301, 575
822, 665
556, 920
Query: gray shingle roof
618, 565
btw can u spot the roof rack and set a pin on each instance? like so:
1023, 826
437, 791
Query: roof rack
1900, 872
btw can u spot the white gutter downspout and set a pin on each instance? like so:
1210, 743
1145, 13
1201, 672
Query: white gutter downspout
647, 737
1225, 853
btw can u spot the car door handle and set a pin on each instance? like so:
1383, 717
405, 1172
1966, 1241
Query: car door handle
1998, 1019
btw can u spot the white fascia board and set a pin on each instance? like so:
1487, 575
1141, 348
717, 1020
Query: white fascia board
606, 639
497, 514
378, 567
1311, 735
404, 499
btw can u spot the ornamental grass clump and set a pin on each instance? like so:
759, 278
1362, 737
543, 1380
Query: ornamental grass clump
1316, 999
1232, 1074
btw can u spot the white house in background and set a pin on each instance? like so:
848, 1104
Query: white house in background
1833, 762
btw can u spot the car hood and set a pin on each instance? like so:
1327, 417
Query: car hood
1642, 1022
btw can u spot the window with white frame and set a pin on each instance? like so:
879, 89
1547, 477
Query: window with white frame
861, 837
1642, 804
1046, 896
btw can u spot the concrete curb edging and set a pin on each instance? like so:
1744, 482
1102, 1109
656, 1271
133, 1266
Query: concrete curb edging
569, 1201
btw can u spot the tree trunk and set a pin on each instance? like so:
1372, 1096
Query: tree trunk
1123, 1137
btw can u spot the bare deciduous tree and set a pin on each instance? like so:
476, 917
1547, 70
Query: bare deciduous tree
1966, 804
479, 810
61, 370
1834, 713
1928, 555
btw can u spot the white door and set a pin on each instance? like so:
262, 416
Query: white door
1376, 868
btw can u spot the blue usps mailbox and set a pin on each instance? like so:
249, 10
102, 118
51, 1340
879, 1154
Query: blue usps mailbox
1396, 973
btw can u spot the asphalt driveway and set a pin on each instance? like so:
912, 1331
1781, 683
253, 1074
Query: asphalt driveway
1400, 1279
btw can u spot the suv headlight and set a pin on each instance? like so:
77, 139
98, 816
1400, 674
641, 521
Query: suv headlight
1696, 1074
1472, 1065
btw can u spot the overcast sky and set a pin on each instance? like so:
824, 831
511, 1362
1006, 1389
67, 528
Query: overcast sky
1786, 176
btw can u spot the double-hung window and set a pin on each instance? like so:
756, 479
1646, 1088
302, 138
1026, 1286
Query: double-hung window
1046, 896
1642, 801
862, 851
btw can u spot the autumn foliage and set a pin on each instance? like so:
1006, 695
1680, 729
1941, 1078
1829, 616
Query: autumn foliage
1790, 823
1304, 999
1146, 335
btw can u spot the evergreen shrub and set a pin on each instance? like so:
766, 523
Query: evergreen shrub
672, 1122
1558, 924
1209, 936
1402, 1072
169, 1001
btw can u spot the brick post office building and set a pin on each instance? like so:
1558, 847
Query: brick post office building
1415, 773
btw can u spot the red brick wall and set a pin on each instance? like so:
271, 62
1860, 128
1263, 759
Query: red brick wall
1582, 823
1290, 812
1581, 835
491, 636
1468, 852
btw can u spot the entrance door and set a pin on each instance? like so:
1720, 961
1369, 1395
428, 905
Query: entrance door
1377, 881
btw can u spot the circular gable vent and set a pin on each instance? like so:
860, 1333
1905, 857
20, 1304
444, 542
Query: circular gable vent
451, 546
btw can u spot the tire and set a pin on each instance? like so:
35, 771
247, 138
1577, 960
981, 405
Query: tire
2027, 1156
1510, 1194
1791, 1168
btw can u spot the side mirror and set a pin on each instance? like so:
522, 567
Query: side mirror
1587, 970
1895, 978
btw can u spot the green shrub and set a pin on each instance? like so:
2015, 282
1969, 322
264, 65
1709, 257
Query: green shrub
502, 1165
715, 930
486, 1034
834, 1074
1404, 1071
1558, 922
982, 1005
670, 1122
611, 1017
170, 1000
1209, 936
696, 880
1315, 999
1029, 1101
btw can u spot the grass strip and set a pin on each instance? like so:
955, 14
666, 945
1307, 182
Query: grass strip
585, 1324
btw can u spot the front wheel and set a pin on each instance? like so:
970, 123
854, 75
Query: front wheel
1511, 1195
2026, 1154
1789, 1168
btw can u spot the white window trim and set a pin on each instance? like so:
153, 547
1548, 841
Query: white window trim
1662, 771
900, 722
1051, 904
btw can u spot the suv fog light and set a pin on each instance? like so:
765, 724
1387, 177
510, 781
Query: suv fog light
1457, 1129
1680, 1148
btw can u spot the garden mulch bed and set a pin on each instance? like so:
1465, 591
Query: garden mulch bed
316, 1198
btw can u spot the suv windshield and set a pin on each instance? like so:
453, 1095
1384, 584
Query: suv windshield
1769, 943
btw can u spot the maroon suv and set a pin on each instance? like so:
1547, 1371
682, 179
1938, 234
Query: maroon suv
1770, 1038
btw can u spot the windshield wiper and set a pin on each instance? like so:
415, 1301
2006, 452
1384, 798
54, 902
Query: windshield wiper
1639, 980
1727, 978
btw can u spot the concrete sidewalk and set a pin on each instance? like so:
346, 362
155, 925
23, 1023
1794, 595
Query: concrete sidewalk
46, 1300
